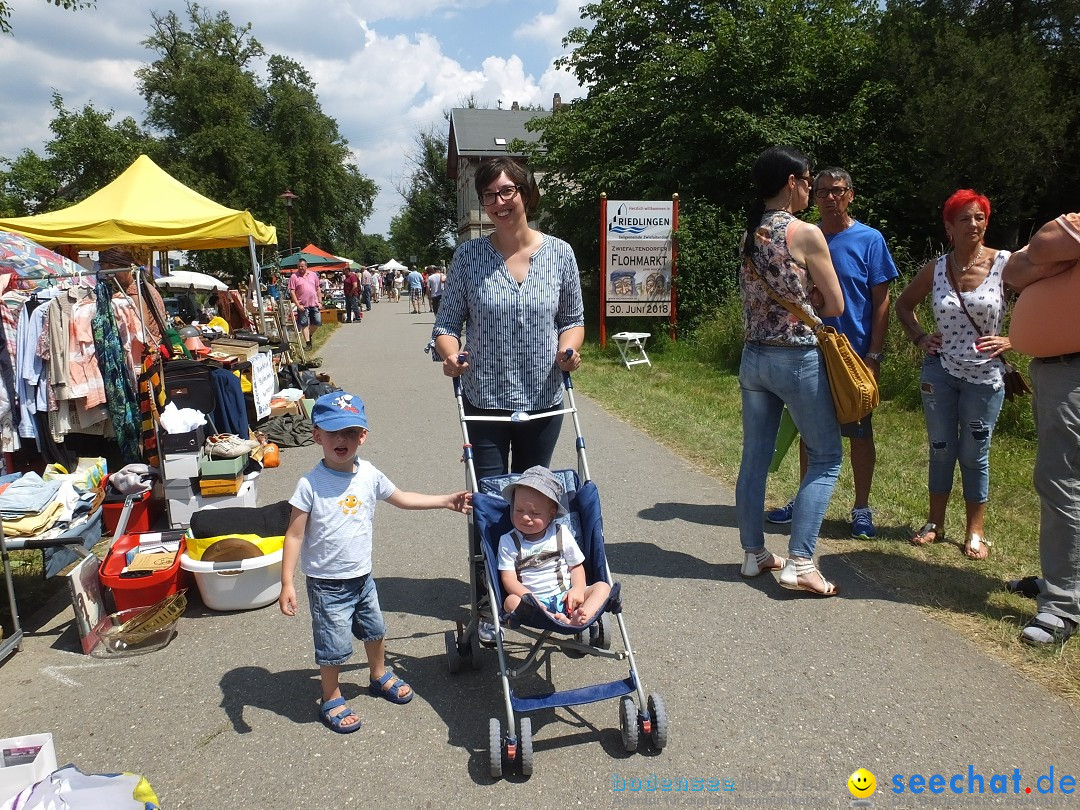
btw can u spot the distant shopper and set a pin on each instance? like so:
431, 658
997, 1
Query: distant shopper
415, 281
435, 281
864, 268
352, 297
962, 372
306, 295
330, 532
367, 288
1048, 272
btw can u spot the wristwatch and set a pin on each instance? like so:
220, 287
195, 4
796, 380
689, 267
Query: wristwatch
875, 356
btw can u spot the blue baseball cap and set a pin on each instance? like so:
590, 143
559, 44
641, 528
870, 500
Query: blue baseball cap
337, 411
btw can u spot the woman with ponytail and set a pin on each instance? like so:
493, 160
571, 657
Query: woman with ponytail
785, 259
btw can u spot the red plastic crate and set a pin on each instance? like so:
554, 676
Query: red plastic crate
144, 512
145, 590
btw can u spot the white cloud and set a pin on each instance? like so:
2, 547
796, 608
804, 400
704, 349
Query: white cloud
382, 68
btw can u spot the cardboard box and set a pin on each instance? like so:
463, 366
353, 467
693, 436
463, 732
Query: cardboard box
280, 406
190, 442
240, 349
181, 465
215, 487
222, 467
24, 761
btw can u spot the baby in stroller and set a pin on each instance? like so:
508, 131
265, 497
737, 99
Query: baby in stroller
541, 557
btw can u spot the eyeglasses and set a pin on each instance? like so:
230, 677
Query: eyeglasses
835, 191
506, 193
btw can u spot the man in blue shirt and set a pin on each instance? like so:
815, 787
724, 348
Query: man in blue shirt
865, 268
415, 282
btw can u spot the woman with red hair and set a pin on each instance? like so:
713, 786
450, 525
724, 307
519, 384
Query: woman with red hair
962, 374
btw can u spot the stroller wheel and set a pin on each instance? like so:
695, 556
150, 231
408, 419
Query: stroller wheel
525, 752
454, 659
658, 731
628, 724
495, 748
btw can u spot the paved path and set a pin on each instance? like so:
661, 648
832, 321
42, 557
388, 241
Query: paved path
783, 695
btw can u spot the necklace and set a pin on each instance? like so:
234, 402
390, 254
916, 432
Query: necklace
970, 264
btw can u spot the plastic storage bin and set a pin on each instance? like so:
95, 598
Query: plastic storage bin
239, 585
141, 591
145, 511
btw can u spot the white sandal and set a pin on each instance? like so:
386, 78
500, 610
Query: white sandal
795, 568
755, 563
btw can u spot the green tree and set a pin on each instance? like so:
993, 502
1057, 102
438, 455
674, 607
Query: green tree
73, 5
683, 95
241, 141
971, 105
425, 228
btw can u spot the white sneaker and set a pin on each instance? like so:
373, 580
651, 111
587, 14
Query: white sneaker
228, 445
485, 631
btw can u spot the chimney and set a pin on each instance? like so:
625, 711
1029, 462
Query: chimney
514, 107
556, 101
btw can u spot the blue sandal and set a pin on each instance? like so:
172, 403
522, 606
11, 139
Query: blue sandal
334, 721
390, 688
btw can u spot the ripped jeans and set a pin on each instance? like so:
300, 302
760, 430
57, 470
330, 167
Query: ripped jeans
960, 418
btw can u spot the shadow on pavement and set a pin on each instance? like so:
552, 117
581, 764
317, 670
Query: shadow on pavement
707, 514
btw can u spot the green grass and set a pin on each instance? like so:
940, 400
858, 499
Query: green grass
701, 422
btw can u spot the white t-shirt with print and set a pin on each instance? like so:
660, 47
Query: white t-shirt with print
341, 512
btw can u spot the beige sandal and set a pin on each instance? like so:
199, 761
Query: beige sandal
977, 547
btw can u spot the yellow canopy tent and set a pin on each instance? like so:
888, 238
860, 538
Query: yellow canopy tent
145, 207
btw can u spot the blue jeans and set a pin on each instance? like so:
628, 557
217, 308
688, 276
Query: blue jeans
340, 610
960, 419
771, 377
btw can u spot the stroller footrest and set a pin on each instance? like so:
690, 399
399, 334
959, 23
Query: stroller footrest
574, 697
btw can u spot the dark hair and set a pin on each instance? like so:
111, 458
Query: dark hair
770, 173
835, 173
517, 171
962, 198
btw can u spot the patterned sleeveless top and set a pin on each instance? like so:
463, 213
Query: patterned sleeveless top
764, 320
986, 304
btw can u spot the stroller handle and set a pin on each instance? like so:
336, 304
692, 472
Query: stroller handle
567, 382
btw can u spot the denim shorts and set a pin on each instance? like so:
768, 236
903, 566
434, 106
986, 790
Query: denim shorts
342, 609
306, 315
553, 602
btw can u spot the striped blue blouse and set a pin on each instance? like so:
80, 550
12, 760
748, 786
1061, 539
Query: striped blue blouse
513, 329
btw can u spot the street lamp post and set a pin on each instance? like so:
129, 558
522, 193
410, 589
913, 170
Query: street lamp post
288, 197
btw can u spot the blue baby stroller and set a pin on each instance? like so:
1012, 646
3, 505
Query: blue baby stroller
489, 521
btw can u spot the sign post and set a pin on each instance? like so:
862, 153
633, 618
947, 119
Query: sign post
637, 261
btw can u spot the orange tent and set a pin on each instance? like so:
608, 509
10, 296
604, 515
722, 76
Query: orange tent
318, 251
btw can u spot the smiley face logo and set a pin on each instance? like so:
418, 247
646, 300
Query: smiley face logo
862, 784
350, 504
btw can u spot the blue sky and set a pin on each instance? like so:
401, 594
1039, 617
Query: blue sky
383, 68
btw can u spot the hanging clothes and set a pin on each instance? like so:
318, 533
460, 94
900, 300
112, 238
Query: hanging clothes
123, 405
